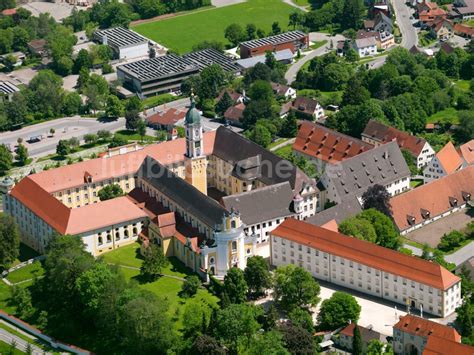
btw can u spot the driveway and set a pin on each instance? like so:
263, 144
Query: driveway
432, 233
403, 13
290, 74
460, 256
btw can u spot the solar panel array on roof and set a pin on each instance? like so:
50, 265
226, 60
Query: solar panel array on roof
120, 37
209, 56
7, 88
277, 39
154, 68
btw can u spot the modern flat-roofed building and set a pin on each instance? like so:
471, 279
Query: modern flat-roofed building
366, 267
206, 57
292, 40
156, 75
7, 90
123, 42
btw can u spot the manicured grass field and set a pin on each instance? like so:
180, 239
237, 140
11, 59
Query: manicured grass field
26, 273
6, 348
180, 33
284, 151
132, 136
166, 287
157, 100
448, 115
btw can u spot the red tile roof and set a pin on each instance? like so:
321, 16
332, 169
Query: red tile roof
367, 253
464, 29
384, 134
305, 104
441, 346
325, 144
9, 12
167, 118
437, 197
235, 113
423, 327
467, 152
449, 158
100, 169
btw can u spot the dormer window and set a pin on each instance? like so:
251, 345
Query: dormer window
425, 213
410, 220
453, 201
466, 196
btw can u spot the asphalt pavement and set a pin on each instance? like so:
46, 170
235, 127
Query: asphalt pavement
403, 13
21, 344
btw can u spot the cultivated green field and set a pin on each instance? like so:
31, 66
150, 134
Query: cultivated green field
182, 32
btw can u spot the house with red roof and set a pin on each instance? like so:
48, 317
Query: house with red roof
167, 119
445, 162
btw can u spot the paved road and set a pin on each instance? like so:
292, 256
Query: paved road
460, 256
416, 251
290, 75
21, 344
403, 13
291, 3
67, 128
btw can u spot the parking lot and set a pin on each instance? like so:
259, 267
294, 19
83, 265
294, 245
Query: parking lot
56, 10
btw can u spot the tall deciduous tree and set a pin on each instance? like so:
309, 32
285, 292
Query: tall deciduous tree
234, 34
358, 228
21, 154
257, 275
9, 240
387, 234
6, 159
338, 310
235, 286
295, 287
377, 197
154, 261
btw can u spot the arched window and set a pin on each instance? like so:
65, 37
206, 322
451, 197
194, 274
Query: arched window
135, 231
100, 241
109, 238
126, 233
117, 236
233, 224
234, 245
211, 260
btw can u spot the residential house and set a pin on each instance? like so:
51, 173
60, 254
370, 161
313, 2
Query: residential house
234, 114
323, 146
441, 28
430, 202
285, 91
366, 267
369, 25
383, 23
167, 119
432, 15
383, 165
19, 58
346, 337
236, 97
384, 39
416, 335
38, 47
307, 108
467, 152
465, 9
445, 162
365, 47
376, 133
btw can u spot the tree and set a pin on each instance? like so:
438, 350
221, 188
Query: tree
289, 128
338, 310
6, 159
234, 33
297, 340
465, 318
356, 341
270, 60
7, 4
387, 234
276, 29
62, 148
451, 240
300, 317
236, 325
46, 93
260, 134
258, 72
205, 344
16, 111
251, 31
267, 343
257, 275
295, 287
235, 286
109, 192
21, 154
212, 80
104, 135
21, 299
147, 325
376, 347
377, 197
141, 129
113, 107
90, 138
358, 228
295, 19
355, 93
411, 161
190, 286
132, 109
83, 60
71, 104
9, 240
154, 261
224, 103
466, 126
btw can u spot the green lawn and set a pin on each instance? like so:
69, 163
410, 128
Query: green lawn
157, 100
166, 287
26, 273
469, 23
5, 349
317, 44
284, 151
277, 142
180, 33
448, 115
415, 183
132, 136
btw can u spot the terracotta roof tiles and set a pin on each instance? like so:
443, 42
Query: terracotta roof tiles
367, 253
467, 152
423, 327
441, 346
449, 158
325, 144
436, 197
168, 117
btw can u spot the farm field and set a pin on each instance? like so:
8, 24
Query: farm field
180, 33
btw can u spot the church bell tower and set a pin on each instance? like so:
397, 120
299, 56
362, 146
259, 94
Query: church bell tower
196, 161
